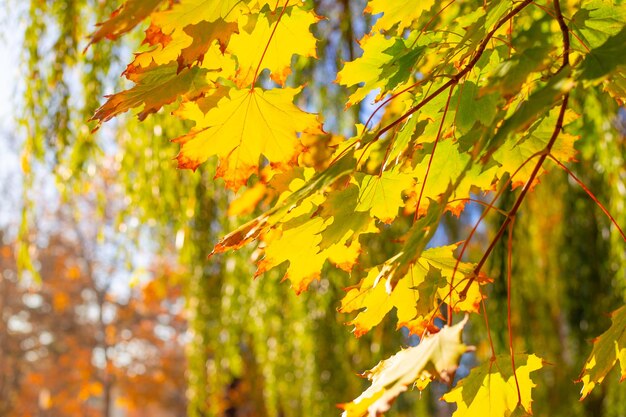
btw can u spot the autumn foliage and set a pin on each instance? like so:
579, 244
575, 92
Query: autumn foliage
472, 101
472, 98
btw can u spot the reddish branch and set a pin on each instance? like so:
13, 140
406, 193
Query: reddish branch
544, 154
456, 78
521, 197
590, 194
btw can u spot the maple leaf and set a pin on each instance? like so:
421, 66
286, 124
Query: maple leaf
473, 107
525, 114
159, 49
191, 12
491, 389
346, 224
517, 150
381, 195
188, 46
203, 35
595, 21
400, 13
366, 70
608, 348
155, 88
243, 126
272, 42
416, 296
449, 164
296, 239
436, 355
606, 59
510, 75
299, 245
124, 19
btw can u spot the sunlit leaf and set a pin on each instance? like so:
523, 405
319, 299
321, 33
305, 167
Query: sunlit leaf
245, 125
415, 297
402, 14
153, 89
491, 389
437, 355
125, 18
608, 348
289, 36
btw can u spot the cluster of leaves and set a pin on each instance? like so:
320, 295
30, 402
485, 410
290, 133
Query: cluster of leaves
472, 97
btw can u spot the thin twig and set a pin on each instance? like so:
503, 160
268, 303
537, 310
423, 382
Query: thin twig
456, 78
546, 151
590, 194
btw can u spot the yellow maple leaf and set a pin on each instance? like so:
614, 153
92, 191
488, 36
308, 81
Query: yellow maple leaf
366, 70
300, 247
160, 53
289, 36
416, 296
435, 355
381, 195
491, 389
188, 46
403, 13
243, 126
191, 12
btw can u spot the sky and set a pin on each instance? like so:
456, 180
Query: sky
12, 69
10, 174
10, 40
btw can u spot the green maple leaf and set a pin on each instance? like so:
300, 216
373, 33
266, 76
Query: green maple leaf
346, 224
608, 348
381, 195
606, 59
595, 21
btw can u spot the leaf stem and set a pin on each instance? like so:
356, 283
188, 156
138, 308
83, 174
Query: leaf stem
509, 273
258, 67
432, 154
590, 194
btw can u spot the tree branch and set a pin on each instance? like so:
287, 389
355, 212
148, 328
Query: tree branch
456, 78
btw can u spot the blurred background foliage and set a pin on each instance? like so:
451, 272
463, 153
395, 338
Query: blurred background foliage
109, 306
